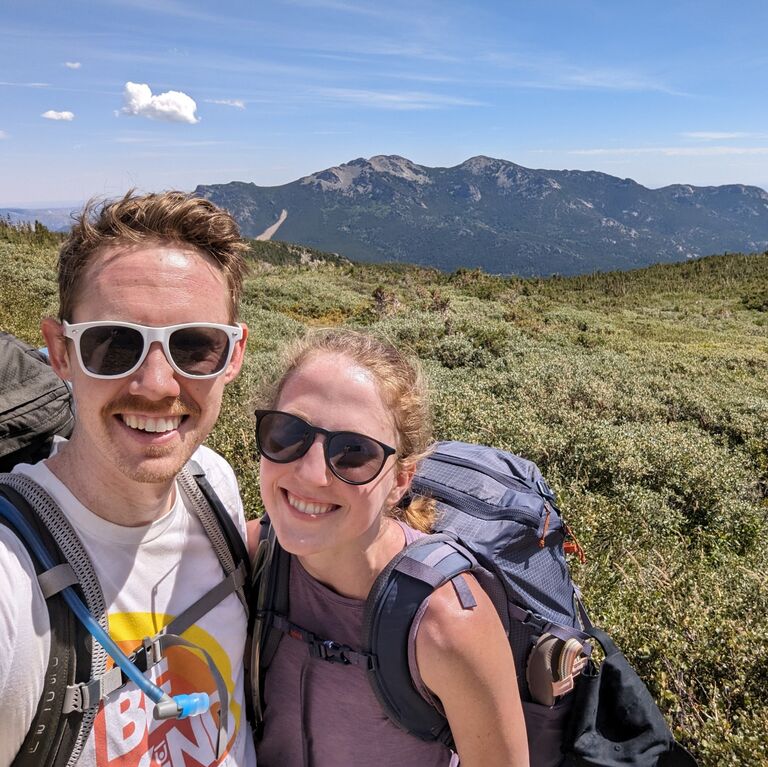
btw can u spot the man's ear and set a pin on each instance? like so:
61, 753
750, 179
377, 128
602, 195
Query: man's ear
58, 354
238, 355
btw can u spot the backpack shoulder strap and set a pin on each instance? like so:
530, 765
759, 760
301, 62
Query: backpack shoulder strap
225, 538
59, 729
232, 552
269, 601
412, 575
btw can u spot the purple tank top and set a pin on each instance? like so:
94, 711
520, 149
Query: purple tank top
321, 714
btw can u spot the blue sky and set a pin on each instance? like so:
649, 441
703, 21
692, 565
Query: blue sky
160, 94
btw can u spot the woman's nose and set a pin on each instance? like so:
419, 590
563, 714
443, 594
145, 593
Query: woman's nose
312, 466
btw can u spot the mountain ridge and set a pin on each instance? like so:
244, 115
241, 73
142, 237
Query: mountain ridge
492, 213
487, 212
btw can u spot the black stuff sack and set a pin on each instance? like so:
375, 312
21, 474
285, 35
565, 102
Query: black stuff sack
35, 404
615, 721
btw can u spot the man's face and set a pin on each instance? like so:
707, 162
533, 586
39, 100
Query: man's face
146, 425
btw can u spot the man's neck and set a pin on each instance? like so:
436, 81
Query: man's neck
111, 495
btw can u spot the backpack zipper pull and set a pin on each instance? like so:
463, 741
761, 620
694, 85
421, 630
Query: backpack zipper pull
546, 527
572, 545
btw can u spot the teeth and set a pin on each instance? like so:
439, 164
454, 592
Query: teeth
155, 425
309, 508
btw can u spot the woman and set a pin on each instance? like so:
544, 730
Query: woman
340, 440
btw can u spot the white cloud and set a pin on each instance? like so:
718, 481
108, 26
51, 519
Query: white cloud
171, 106
72, 64
3, 135
237, 103
551, 72
720, 135
403, 100
618, 80
53, 115
24, 85
342, 7
676, 151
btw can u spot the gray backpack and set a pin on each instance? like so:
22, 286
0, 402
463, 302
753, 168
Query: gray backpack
497, 518
35, 404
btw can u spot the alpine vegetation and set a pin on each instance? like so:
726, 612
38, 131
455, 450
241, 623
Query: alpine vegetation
642, 396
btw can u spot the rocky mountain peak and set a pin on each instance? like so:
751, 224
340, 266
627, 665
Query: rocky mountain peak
339, 178
501, 216
356, 175
482, 165
399, 166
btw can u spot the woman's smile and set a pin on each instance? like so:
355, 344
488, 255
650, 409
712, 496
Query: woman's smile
310, 508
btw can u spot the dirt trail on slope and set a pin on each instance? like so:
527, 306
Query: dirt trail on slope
269, 232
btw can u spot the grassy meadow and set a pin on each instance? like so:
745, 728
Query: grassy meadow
642, 396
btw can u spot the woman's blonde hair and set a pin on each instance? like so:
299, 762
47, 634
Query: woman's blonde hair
402, 389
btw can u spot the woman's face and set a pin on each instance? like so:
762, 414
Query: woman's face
313, 512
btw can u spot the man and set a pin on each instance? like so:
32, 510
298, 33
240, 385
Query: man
146, 396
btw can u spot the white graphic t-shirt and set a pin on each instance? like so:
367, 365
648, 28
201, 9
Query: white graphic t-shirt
148, 575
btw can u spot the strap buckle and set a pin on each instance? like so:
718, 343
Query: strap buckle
333, 652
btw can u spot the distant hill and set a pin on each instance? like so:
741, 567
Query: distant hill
497, 215
285, 253
55, 219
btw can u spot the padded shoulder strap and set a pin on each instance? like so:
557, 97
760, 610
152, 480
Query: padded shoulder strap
231, 550
269, 599
56, 736
411, 576
225, 538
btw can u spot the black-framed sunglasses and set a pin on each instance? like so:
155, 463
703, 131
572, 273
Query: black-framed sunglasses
353, 458
107, 349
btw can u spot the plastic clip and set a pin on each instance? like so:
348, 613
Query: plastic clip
333, 652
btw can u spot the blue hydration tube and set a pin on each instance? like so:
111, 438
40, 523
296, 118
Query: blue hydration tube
167, 707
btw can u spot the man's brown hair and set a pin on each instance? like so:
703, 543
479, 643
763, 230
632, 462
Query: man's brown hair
165, 218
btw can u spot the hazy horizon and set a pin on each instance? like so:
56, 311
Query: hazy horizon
73, 204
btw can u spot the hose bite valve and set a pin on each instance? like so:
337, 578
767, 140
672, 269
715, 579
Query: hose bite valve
181, 706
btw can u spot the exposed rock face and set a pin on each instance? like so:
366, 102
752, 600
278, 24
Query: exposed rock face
500, 216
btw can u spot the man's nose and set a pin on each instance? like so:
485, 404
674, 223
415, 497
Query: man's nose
155, 379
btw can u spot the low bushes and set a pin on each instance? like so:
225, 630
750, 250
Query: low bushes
643, 397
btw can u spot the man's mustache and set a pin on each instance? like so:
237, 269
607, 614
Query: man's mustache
172, 406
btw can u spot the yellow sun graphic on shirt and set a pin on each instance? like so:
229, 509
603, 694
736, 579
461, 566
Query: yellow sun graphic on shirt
125, 731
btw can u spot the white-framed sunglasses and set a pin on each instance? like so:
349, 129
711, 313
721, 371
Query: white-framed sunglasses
111, 349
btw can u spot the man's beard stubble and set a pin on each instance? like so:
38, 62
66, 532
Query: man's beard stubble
177, 406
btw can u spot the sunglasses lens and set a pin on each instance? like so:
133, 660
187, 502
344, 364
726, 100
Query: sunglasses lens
282, 437
110, 350
200, 351
354, 457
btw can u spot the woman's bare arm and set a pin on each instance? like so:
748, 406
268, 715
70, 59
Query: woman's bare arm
464, 658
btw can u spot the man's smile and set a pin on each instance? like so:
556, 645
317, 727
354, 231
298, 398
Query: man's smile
152, 423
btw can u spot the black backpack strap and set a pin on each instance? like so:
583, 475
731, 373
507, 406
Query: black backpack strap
226, 539
412, 575
231, 550
53, 734
269, 600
